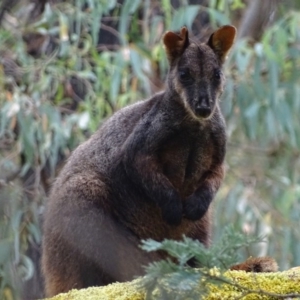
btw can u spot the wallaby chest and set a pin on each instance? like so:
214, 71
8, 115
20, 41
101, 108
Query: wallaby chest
187, 157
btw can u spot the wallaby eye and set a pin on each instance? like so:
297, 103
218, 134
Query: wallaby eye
217, 74
185, 75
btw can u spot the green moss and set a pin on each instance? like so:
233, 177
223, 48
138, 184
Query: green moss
115, 291
250, 285
257, 285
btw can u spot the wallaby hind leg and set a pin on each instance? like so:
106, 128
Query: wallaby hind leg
85, 245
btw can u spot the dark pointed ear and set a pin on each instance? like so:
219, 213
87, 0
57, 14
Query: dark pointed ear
175, 44
222, 40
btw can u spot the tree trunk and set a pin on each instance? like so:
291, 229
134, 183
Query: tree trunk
257, 17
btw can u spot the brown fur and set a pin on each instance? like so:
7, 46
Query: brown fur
257, 265
151, 171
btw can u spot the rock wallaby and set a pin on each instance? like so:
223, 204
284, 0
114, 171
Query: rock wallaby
150, 171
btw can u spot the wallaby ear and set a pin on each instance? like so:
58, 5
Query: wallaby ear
222, 40
175, 44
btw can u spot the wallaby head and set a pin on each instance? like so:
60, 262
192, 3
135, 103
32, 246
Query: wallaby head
196, 69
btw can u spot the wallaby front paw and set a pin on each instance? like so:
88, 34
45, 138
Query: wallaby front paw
194, 208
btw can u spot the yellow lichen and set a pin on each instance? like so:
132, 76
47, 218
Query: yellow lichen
115, 291
250, 286
257, 285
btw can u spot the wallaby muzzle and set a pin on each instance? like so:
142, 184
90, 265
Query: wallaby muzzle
203, 111
203, 108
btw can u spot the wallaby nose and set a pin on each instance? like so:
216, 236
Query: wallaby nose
203, 108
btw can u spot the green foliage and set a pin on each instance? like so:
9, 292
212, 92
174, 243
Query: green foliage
175, 279
221, 254
261, 105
